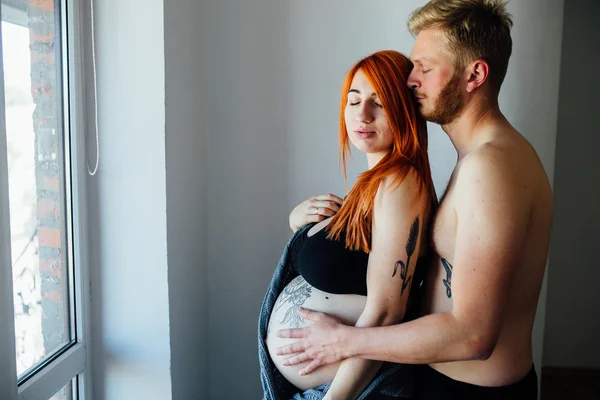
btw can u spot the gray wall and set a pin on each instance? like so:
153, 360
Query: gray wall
573, 320
248, 152
128, 236
186, 163
148, 204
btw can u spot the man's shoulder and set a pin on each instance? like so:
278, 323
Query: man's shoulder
511, 159
490, 161
492, 171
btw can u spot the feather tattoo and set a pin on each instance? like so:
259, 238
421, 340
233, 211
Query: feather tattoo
411, 245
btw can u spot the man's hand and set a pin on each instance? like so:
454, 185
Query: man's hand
322, 342
315, 209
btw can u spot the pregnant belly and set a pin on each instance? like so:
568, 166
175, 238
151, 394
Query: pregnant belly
299, 293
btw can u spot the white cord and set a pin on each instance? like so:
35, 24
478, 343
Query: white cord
92, 173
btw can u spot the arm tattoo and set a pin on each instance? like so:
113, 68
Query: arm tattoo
411, 245
294, 294
448, 280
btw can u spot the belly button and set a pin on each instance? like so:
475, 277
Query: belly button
327, 297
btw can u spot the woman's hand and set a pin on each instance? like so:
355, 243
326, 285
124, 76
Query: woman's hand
315, 209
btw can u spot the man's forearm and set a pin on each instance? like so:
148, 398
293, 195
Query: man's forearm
430, 339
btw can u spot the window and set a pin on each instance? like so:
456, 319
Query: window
41, 250
66, 393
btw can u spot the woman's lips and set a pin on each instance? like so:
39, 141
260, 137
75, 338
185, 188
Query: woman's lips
362, 134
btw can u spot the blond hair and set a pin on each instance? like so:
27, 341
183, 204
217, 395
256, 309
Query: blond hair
472, 30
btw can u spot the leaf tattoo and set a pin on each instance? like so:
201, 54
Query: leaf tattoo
411, 245
295, 293
396, 267
448, 281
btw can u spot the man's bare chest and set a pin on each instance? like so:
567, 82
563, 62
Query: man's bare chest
443, 241
444, 226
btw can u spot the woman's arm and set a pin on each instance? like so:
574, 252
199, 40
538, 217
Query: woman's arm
395, 243
314, 209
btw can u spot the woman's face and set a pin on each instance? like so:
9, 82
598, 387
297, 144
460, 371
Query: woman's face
366, 122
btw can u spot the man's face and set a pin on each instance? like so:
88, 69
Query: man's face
436, 82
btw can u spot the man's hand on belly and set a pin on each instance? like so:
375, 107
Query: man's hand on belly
322, 342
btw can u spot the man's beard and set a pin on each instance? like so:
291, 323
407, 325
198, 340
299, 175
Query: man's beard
449, 103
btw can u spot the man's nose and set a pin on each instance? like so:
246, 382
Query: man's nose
412, 82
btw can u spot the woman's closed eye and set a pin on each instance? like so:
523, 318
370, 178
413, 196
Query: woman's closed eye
354, 100
357, 102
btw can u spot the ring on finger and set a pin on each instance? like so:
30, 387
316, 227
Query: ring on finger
316, 210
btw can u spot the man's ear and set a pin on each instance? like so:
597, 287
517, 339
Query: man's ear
479, 72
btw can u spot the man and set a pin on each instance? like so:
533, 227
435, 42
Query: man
490, 234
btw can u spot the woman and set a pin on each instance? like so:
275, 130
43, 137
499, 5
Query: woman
359, 265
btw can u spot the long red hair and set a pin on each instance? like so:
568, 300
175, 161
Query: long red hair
387, 71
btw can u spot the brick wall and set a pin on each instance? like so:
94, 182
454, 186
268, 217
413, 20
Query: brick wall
46, 93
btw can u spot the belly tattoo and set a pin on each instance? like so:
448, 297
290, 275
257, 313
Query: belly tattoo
294, 296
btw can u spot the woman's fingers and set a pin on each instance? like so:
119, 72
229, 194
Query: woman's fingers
329, 197
315, 209
314, 218
327, 208
324, 207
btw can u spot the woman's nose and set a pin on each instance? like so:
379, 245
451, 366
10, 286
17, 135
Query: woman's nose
364, 115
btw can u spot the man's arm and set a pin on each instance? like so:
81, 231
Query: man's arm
492, 209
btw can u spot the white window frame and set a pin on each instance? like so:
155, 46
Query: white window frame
73, 364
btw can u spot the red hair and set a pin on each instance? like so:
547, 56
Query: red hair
387, 71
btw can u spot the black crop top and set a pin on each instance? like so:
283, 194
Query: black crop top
328, 265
